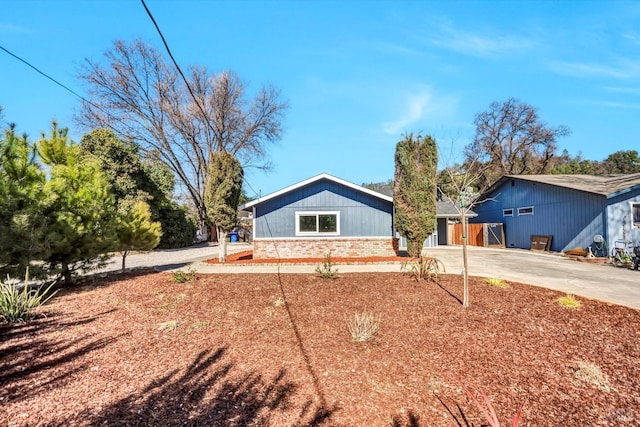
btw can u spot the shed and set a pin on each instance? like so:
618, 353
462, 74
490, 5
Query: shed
572, 209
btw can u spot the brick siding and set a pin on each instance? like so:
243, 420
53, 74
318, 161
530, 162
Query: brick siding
318, 248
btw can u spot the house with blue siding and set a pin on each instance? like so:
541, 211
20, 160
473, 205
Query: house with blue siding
572, 209
322, 214
325, 213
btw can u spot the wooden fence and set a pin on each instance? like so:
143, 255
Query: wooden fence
480, 235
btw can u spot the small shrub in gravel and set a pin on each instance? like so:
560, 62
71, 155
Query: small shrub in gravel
484, 405
180, 276
363, 326
424, 268
326, 270
569, 301
498, 283
591, 373
18, 305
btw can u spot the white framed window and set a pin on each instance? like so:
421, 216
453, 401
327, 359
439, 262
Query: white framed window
635, 214
507, 212
527, 210
321, 223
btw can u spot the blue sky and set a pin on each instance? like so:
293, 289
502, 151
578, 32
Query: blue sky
357, 74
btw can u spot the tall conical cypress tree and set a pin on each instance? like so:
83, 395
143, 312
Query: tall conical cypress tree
414, 190
222, 195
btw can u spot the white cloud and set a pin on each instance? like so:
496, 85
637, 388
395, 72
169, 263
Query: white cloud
626, 90
623, 105
12, 29
632, 37
623, 69
418, 107
480, 45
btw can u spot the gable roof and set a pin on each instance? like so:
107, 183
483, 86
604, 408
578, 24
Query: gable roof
311, 180
445, 208
604, 185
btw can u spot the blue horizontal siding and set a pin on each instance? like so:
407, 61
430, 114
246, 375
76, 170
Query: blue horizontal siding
571, 217
619, 217
361, 214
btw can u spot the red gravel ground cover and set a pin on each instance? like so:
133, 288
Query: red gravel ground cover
270, 350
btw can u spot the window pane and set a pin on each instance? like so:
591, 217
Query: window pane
328, 223
636, 213
525, 211
308, 223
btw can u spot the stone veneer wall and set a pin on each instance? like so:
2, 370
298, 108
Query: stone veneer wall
318, 248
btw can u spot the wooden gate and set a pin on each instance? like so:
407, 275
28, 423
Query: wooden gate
480, 235
475, 234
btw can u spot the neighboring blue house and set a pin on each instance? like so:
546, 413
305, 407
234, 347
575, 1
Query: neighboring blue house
570, 208
322, 214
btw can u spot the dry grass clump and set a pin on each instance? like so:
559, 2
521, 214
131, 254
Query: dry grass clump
363, 326
569, 301
498, 283
591, 373
171, 325
424, 268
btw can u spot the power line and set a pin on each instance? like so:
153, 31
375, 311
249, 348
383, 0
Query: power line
186, 82
45, 75
82, 98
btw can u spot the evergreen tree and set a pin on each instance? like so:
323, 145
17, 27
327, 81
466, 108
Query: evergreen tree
222, 195
136, 231
21, 224
133, 180
78, 205
414, 190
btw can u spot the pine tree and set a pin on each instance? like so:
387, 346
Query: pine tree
79, 208
21, 224
136, 231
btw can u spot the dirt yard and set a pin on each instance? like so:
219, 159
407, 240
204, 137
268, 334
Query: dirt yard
269, 350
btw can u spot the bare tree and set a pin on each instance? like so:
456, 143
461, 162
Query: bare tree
511, 140
464, 185
138, 95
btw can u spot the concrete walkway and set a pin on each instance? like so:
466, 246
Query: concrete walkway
600, 281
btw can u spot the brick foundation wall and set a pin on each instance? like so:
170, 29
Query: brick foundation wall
317, 248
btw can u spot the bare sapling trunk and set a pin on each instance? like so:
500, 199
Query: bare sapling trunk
465, 269
222, 244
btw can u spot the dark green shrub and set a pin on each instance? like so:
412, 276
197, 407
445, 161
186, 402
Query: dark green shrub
178, 230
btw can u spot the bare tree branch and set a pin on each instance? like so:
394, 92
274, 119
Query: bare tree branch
138, 95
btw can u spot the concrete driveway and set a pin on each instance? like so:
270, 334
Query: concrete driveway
600, 281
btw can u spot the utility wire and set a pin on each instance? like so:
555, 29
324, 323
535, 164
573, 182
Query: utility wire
44, 74
186, 82
28, 64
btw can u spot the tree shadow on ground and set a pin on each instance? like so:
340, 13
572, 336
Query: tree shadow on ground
97, 280
410, 419
460, 419
451, 294
30, 362
209, 393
